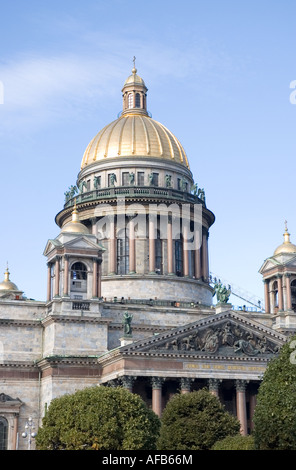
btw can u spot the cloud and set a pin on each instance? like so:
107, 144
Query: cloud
44, 88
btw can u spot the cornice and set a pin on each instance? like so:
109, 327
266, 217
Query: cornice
20, 322
74, 319
53, 361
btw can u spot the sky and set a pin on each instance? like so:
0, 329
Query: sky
219, 75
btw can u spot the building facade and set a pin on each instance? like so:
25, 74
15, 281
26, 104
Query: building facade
129, 294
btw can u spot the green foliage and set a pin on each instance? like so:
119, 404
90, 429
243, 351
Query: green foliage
195, 421
98, 418
275, 412
237, 442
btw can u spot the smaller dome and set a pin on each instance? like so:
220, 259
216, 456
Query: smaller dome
134, 79
7, 285
287, 246
75, 226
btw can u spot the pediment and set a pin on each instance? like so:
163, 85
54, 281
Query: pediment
83, 242
51, 245
269, 263
221, 335
285, 259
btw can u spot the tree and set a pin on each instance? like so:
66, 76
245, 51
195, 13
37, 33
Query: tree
100, 418
195, 421
237, 442
275, 412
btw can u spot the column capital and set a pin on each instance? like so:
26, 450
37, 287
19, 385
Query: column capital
279, 276
266, 281
241, 385
186, 383
127, 381
113, 383
214, 384
287, 275
157, 382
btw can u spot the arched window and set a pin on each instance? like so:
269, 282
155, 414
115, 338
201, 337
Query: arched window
78, 271
275, 294
123, 252
78, 280
158, 254
138, 100
3, 433
130, 100
179, 257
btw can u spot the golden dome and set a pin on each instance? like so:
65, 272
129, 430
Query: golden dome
75, 226
134, 135
287, 246
7, 285
134, 79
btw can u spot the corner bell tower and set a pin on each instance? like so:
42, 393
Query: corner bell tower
279, 277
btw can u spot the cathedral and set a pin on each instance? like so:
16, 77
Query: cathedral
129, 292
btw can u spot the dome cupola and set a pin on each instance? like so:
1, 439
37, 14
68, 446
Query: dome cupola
287, 246
134, 94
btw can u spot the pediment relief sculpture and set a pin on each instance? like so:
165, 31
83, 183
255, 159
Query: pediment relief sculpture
226, 339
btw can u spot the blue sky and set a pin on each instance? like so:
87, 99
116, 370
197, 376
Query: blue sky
218, 74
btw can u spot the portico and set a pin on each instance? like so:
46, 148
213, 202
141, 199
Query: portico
226, 353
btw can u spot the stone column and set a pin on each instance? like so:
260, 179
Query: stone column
48, 282
151, 244
127, 382
157, 395
266, 295
197, 254
95, 279
99, 288
214, 386
241, 408
66, 276
132, 256
185, 251
170, 246
94, 225
15, 431
185, 383
288, 291
57, 277
112, 250
205, 257
280, 292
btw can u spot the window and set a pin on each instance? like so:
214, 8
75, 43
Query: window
130, 100
138, 100
125, 179
122, 252
155, 179
158, 254
3, 433
141, 178
88, 185
293, 293
275, 294
179, 257
78, 271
